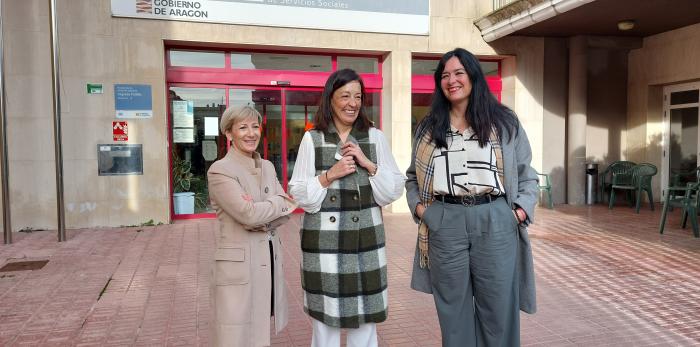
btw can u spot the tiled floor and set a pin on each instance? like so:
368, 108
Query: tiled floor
604, 278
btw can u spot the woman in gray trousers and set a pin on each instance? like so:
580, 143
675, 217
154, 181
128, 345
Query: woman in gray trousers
472, 192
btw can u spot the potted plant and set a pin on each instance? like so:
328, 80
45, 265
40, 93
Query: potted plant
183, 199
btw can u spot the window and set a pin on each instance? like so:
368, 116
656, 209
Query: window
273, 61
684, 97
359, 64
489, 68
197, 59
423, 67
427, 67
423, 84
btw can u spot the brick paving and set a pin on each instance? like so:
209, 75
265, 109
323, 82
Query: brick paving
604, 278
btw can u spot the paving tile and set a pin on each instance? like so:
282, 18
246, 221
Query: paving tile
604, 278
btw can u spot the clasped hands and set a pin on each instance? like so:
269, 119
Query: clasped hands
352, 157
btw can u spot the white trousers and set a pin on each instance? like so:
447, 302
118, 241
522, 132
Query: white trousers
328, 336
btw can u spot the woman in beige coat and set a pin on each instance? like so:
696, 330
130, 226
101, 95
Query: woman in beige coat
248, 280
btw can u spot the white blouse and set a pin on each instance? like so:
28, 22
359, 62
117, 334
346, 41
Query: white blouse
306, 189
464, 168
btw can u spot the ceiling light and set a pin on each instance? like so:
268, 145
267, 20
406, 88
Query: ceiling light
627, 24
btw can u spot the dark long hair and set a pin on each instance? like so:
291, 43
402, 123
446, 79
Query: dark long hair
324, 116
484, 111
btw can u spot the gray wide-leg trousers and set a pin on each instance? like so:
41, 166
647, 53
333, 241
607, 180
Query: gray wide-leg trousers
473, 274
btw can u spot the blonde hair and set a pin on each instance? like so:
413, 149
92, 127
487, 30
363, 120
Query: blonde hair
234, 114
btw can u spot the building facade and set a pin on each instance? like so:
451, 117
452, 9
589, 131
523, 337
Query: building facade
123, 65
210, 65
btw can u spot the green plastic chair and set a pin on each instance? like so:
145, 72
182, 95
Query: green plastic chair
679, 178
616, 168
546, 185
688, 199
638, 182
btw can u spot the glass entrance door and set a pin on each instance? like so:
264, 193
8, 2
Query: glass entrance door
286, 113
682, 106
684, 139
268, 101
300, 107
194, 115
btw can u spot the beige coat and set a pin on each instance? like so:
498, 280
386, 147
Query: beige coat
241, 284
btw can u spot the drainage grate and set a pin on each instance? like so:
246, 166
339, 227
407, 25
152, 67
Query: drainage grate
24, 265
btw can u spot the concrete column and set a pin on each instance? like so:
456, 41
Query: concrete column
555, 113
576, 121
396, 112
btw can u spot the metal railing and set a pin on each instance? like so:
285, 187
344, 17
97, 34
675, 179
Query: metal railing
497, 4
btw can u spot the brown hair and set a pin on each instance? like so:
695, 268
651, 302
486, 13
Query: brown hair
324, 116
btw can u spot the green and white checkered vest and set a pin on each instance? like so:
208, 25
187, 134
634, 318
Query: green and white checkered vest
343, 256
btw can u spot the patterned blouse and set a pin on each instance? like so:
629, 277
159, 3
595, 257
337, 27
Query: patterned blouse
463, 168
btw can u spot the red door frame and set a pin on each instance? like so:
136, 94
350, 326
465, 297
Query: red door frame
227, 78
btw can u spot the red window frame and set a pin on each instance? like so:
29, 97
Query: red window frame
261, 77
229, 78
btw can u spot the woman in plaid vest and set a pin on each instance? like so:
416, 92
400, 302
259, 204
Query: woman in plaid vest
472, 191
344, 173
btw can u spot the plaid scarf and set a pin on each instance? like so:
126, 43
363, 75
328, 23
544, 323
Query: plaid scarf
424, 175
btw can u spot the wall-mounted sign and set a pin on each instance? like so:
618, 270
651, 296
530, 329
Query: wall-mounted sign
94, 88
118, 160
120, 131
385, 16
133, 101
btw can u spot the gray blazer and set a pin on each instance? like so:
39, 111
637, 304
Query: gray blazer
521, 190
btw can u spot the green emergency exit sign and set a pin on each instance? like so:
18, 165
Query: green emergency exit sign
94, 88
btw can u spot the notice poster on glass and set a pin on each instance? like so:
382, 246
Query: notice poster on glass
209, 150
183, 135
183, 114
211, 126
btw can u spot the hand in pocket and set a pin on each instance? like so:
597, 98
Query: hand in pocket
426, 217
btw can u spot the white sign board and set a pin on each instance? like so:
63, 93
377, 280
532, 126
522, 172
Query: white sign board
384, 16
